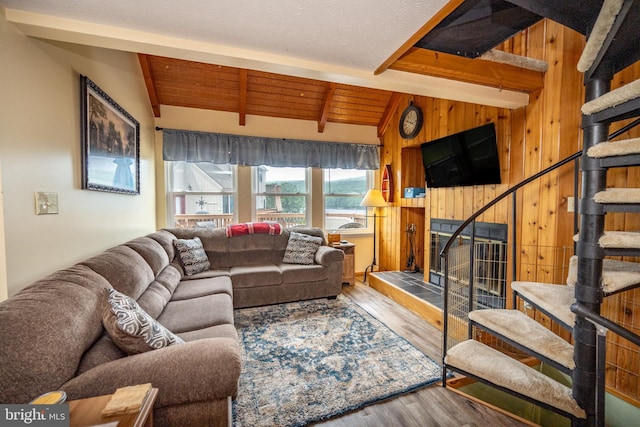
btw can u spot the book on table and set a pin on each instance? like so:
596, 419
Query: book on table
127, 400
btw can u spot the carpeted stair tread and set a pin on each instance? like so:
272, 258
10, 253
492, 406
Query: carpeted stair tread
503, 57
620, 239
618, 196
617, 239
615, 148
601, 28
616, 275
484, 362
613, 98
553, 299
522, 329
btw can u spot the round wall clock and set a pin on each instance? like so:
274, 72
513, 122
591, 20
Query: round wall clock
410, 122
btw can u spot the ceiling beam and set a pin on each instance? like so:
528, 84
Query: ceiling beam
392, 106
148, 81
326, 106
430, 25
118, 38
477, 71
242, 96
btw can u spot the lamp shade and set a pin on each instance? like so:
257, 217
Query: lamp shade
373, 199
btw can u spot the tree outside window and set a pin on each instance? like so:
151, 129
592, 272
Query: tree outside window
281, 195
344, 189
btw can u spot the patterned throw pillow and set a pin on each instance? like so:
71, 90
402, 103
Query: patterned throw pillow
192, 255
131, 328
301, 249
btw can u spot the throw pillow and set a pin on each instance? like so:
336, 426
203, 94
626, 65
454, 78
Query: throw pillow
131, 328
192, 255
301, 248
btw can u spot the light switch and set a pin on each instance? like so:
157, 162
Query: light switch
46, 203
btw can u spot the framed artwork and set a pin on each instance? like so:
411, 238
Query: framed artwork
110, 143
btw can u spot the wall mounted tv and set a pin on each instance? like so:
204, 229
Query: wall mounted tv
465, 158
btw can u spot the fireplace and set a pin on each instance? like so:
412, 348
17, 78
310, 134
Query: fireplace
487, 259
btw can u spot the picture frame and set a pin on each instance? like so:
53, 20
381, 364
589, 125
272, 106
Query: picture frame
110, 143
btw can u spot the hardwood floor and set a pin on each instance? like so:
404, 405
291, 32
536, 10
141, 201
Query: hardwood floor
430, 406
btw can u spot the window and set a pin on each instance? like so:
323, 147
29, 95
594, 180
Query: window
281, 195
200, 194
344, 189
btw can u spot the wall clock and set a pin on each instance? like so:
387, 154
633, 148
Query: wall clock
410, 122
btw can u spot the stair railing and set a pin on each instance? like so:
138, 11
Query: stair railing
444, 254
603, 325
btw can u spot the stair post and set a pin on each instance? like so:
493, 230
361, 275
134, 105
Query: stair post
590, 256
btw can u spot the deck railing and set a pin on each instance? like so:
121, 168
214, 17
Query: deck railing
288, 220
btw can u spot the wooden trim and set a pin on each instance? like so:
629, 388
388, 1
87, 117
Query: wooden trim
430, 25
242, 96
326, 106
428, 312
478, 71
392, 106
148, 81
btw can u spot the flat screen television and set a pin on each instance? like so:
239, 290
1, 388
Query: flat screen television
465, 158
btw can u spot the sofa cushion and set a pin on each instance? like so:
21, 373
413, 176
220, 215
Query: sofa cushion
250, 276
301, 249
296, 273
200, 287
102, 351
197, 313
160, 291
124, 268
208, 273
131, 328
219, 331
192, 255
153, 253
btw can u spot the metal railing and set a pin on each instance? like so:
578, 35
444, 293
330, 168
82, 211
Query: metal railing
445, 254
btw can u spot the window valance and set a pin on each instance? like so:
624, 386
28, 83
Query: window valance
191, 146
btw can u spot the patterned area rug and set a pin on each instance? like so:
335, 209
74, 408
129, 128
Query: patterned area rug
311, 360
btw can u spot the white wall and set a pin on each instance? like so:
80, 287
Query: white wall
40, 151
223, 122
3, 253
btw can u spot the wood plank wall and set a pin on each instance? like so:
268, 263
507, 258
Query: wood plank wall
529, 140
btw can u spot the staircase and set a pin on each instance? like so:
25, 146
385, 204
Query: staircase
592, 276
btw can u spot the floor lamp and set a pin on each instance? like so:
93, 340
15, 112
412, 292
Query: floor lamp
373, 199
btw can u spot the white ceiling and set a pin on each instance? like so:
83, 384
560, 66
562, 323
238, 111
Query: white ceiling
333, 40
359, 34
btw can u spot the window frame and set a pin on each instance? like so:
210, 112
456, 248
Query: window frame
171, 197
307, 194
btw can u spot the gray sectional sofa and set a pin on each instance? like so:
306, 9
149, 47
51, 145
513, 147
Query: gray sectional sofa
52, 335
256, 268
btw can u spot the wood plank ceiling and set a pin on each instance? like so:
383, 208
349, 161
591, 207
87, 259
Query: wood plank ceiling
176, 82
182, 83
198, 85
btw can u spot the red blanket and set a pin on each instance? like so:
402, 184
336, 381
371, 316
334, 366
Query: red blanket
271, 228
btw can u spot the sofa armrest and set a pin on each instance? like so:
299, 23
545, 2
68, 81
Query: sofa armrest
326, 255
200, 370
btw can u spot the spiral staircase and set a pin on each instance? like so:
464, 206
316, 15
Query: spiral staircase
612, 44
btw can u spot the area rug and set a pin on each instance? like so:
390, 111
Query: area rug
312, 360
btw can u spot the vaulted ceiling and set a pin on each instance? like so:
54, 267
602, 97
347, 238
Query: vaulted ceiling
328, 62
215, 87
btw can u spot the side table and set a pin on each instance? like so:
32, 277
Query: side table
348, 265
86, 412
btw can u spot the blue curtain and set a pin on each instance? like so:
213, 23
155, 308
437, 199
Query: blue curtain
193, 146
